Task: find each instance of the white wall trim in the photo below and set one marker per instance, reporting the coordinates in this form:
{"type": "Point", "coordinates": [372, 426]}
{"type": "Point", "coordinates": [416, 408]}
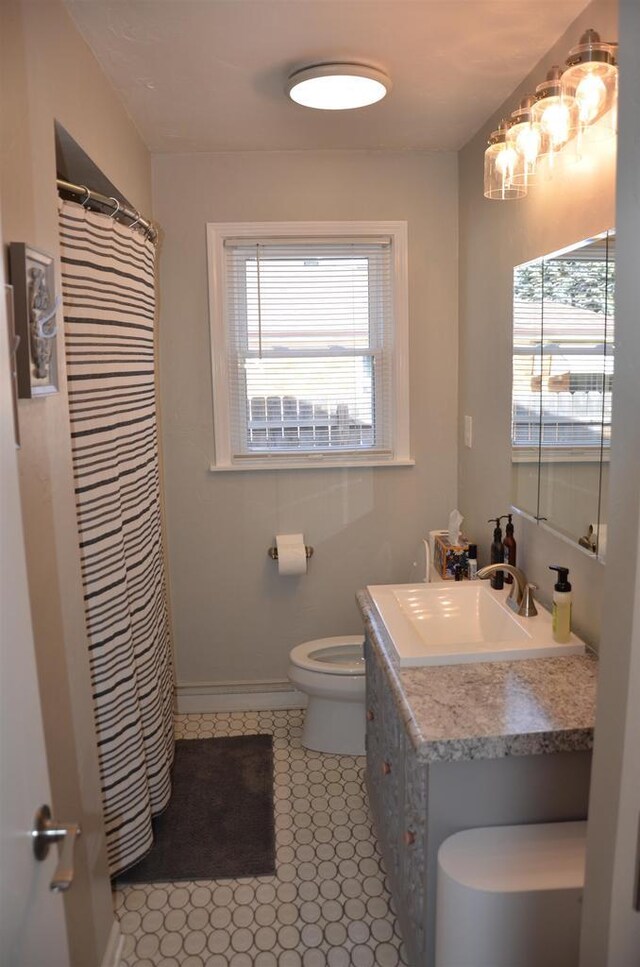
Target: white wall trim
{"type": "Point", "coordinates": [308, 465]}
{"type": "Point", "coordinates": [115, 946]}
{"type": "Point", "coordinates": [238, 696]}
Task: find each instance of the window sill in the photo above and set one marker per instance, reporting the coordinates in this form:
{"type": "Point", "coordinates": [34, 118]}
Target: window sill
{"type": "Point", "coordinates": [308, 465]}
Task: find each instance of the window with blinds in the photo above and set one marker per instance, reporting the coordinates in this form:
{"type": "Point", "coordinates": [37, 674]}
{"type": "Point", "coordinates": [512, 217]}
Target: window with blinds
{"type": "Point", "coordinates": [563, 353]}
{"type": "Point", "coordinates": [305, 337]}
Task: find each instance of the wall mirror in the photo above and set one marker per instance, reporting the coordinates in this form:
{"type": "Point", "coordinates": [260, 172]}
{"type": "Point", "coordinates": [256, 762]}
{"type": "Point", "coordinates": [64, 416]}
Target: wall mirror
{"type": "Point", "coordinates": [563, 361]}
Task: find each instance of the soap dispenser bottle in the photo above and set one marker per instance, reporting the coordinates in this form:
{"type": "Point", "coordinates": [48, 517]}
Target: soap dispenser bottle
{"type": "Point", "coordinates": [497, 555]}
{"type": "Point", "coordinates": [561, 605]}
{"type": "Point", "coordinates": [509, 548]}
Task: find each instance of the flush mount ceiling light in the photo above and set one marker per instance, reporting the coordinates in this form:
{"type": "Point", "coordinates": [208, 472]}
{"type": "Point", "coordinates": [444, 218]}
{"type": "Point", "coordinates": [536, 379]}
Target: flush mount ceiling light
{"type": "Point", "coordinates": [337, 87]}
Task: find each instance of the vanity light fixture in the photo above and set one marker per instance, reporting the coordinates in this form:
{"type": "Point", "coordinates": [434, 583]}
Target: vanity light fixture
{"type": "Point", "coordinates": [337, 87]}
{"type": "Point", "coordinates": [574, 106]}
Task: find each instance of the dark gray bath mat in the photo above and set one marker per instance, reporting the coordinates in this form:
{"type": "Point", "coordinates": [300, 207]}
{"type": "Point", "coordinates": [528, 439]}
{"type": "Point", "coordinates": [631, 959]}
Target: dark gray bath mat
{"type": "Point", "coordinates": [219, 823]}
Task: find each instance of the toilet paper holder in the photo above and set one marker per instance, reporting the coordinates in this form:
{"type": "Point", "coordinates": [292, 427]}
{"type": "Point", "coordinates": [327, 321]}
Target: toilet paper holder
{"type": "Point", "coordinates": [273, 552]}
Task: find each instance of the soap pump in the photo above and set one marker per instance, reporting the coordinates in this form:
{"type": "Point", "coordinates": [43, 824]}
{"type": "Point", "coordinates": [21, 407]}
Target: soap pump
{"type": "Point", "coordinates": [497, 554]}
{"type": "Point", "coordinates": [509, 548]}
{"type": "Point", "coordinates": [561, 605]}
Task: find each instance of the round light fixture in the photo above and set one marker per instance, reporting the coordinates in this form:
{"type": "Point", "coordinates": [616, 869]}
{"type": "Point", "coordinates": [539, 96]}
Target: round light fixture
{"type": "Point", "coordinates": [337, 87]}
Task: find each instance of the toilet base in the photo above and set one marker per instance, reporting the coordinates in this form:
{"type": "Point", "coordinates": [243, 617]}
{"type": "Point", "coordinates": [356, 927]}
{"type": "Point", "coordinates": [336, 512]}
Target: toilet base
{"type": "Point", "coordinates": [511, 896]}
{"type": "Point", "coordinates": [334, 726]}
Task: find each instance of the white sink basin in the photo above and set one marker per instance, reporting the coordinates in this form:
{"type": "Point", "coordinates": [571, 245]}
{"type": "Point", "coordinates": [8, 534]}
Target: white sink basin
{"type": "Point", "coordinates": [452, 622]}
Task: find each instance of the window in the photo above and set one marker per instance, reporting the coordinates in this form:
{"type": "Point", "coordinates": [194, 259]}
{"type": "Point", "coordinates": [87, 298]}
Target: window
{"type": "Point", "coordinates": [309, 344]}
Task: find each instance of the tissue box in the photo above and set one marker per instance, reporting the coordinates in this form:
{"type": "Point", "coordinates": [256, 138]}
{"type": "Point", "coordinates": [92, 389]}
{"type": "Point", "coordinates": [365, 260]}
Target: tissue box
{"type": "Point", "coordinates": [446, 556]}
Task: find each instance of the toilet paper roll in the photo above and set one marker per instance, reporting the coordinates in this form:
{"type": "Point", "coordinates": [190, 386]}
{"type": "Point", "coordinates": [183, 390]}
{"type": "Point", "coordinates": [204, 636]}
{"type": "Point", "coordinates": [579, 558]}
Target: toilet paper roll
{"type": "Point", "coordinates": [292, 555]}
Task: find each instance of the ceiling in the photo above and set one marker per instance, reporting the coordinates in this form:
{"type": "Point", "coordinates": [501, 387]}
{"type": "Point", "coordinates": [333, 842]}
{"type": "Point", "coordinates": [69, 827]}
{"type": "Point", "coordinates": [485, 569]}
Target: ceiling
{"type": "Point", "coordinates": [208, 75]}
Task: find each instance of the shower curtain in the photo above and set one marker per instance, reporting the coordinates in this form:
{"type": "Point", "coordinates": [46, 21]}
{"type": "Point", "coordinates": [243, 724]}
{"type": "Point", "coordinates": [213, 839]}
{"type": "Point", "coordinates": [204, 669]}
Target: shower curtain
{"type": "Point", "coordinates": [108, 288]}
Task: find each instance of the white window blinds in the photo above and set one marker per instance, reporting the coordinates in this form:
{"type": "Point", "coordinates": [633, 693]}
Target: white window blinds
{"type": "Point", "coordinates": [309, 336]}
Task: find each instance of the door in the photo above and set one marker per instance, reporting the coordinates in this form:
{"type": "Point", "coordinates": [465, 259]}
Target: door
{"type": "Point", "coordinates": [32, 925]}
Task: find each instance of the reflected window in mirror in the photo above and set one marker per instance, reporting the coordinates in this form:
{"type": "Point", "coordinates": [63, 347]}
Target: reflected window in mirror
{"type": "Point", "coordinates": [563, 359]}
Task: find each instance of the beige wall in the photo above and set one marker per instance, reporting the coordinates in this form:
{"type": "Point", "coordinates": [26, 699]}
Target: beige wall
{"type": "Point", "coordinates": [48, 73]}
{"type": "Point", "coordinates": [494, 237]}
{"type": "Point", "coordinates": [234, 618]}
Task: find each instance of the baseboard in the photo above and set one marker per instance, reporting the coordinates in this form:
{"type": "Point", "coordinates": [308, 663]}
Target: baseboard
{"type": "Point", "coordinates": [238, 696]}
{"type": "Point", "coordinates": [115, 945]}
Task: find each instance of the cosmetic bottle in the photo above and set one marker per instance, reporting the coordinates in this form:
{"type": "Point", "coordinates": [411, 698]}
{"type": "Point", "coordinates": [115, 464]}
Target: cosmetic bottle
{"type": "Point", "coordinates": [561, 605]}
{"type": "Point", "coordinates": [497, 555]}
{"type": "Point", "coordinates": [509, 549]}
{"type": "Point", "coordinates": [472, 562]}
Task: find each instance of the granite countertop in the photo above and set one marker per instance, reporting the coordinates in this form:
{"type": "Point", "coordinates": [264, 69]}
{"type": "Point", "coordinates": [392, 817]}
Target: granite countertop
{"type": "Point", "coordinates": [490, 709]}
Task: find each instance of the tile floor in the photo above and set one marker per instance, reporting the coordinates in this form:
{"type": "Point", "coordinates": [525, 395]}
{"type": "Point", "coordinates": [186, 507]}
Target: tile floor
{"type": "Point", "coordinates": [328, 903]}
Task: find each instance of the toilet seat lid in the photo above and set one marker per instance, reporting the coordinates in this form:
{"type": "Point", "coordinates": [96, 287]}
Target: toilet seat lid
{"type": "Point", "coordinates": [341, 655]}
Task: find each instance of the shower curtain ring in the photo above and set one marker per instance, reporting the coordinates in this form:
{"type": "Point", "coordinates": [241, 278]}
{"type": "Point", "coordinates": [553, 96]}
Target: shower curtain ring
{"type": "Point", "coordinates": [87, 198]}
{"type": "Point", "coordinates": [136, 220]}
{"type": "Point", "coordinates": [117, 204]}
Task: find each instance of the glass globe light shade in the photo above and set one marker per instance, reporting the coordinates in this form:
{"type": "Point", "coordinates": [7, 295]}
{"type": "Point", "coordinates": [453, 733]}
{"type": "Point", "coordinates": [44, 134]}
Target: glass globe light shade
{"type": "Point", "coordinates": [503, 168]}
{"type": "Point", "coordinates": [556, 111]}
{"type": "Point", "coordinates": [526, 136]}
{"type": "Point", "coordinates": [591, 77]}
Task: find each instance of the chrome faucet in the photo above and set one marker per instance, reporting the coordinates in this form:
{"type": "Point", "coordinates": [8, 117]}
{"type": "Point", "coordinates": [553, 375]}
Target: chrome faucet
{"type": "Point", "coordinates": [520, 597]}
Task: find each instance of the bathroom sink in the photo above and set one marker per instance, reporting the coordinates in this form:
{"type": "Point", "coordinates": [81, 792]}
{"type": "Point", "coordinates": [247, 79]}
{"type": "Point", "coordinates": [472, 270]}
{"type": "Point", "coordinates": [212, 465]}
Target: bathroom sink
{"type": "Point", "coordinates": [447, 623]}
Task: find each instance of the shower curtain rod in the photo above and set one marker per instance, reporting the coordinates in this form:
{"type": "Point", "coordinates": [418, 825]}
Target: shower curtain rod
{"type": "Point", "coordinates": [87, 196]}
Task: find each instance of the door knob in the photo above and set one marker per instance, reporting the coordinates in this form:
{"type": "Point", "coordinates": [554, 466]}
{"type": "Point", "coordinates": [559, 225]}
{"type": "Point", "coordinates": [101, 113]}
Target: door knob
{"type": "Point", "coordinates": [45, 832]}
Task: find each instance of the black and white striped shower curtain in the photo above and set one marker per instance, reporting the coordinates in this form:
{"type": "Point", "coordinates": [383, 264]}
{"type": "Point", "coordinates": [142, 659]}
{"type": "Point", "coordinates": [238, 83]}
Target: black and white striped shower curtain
{"type": "Point", "coordinates": [108, 278]}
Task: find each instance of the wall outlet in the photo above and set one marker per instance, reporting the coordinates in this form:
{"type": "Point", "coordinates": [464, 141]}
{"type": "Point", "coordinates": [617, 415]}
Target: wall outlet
{"type": "Point", "coordinates": [468, 431]}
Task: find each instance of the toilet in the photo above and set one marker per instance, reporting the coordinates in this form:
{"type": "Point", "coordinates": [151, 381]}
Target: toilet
{"type": "Point", "coordinates": [510, 896]}
{"type": "Point", "coordinates": [330, 671]}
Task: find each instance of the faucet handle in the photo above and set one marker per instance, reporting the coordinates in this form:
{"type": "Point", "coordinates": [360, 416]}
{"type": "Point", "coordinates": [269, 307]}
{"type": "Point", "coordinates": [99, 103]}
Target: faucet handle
{"type": "Point", "coordinates": [527, 607]}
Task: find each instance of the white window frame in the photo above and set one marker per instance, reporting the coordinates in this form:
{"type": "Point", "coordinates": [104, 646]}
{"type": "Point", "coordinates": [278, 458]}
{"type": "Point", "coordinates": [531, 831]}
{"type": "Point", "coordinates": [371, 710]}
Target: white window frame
{"type": "Point", "coordinates": [217, 234]}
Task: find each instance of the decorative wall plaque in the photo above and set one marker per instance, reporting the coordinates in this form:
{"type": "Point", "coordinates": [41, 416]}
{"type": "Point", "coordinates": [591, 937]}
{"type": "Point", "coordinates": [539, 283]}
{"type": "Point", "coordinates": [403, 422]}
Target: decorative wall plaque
{"type": "Point", "coordinates": [35, 305]}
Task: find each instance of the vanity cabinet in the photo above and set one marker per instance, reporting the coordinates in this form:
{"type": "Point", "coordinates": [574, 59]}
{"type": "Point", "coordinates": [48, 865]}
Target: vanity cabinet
{"type": "Point", "coordinates": [422, 792]}
{"type": "Point", "coordinates": [397, 788]}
